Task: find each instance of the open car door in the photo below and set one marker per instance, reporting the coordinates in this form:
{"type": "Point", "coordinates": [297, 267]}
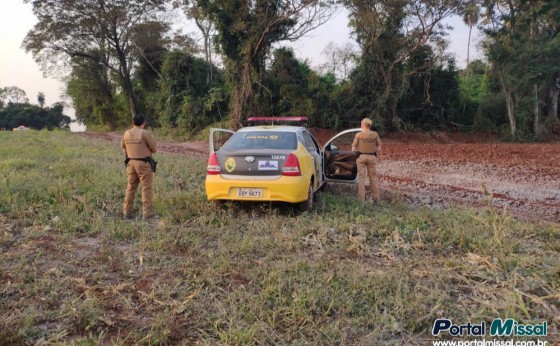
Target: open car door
{"type": "Point", "coordinates": [339, 159]}
{"type": "Point", "coordinates": [218, 137]}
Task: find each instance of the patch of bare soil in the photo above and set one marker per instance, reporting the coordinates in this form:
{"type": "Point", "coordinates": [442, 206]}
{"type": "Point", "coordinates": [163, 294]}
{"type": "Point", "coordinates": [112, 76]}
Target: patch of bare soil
{"type": "Point", "coordinates": [524, 178]}
{"type": "Point", "coordinates": [199, 148]}
{"type": "Point", "coordinates": [441, 169]}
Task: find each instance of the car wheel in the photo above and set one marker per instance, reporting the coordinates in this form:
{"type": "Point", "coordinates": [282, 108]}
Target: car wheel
{"type": "Point", "coordinates": [308, 204]}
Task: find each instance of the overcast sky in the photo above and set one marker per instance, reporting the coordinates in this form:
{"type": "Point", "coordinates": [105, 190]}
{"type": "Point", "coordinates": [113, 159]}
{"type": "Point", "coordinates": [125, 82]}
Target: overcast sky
{"type": "Point", "coordinates": [18, 68]}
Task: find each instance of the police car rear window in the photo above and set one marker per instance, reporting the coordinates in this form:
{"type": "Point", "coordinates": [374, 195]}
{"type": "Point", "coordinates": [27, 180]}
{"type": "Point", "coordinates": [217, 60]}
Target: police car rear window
{"type": "Point", "coordinates": [261, 140]}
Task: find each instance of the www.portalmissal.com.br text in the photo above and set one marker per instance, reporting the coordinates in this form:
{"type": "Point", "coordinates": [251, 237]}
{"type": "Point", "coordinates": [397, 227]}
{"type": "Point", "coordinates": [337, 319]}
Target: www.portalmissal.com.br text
{"type": "Point", "coordinates": [484, 342]}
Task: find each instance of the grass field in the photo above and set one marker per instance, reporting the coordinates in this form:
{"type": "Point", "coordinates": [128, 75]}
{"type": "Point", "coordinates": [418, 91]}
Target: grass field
{"type": "Point", "coordinates": [72, 271]}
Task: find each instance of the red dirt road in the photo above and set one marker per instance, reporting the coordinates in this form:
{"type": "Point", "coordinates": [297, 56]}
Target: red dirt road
{"type": "Point", "coordinates": [524, 178]}
{"type": "Point", "coordinates": [444, 169]}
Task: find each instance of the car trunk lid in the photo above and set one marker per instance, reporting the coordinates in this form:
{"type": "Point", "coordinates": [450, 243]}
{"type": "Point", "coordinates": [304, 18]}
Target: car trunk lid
{"type": "Point", "coordinates": [252, 164]}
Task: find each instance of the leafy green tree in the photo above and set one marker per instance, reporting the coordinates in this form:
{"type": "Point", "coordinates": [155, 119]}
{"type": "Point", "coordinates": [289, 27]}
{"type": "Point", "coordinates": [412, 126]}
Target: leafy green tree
{"type": "Point", "coordinates": [32, 116]}
{"type": "Point", "coordinates": [41, 99]}
{"type": "Point", "coordinates": [288, 85]}
{"type": "Point", "coordinates": [152, 50]}
{"type": "Point", "coordinates": [14, 95]}
{"type": "Point", "coordinates": [110, 28]}
{"type": "Point", "coordinates": [431, 98]}
{"type": "Point", "coordinates": [346, 104]}
{"type": "Point", "coordinates": [523, 47]}
{"type": "Point", "coordinates": [246, 32]}
{"type": "Point", "coordinates": [294, 89]}
{"type": "Point", "coordinates": [94, 94]}
{"type": "Point", "coordinates": [545, 48]}
{"type": "Point", "coordinates": [187, 100]}
{"type": "Point", "coordinates": [473, 92]}
{"type": "Point", "coordinates": [471, 16]}
{"type": "Point", "coordinates": [483, 103]}
{"type": "Point", "coordinates": [321, 91]}
{"type": "Point", "coordinates": [389, 32]}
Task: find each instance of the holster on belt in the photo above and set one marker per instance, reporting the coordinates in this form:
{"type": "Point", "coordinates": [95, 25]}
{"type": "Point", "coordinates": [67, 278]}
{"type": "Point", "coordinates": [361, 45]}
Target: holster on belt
{"type": "Point", "coordinates": [148, 159]}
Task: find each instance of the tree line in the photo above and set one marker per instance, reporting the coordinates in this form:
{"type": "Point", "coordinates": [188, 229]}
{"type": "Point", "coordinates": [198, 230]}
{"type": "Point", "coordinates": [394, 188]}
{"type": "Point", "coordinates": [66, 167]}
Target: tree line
{"type": "Point", "coordinates": [15, 111]}
{"type": "Point", "coordinates": [123, 57]}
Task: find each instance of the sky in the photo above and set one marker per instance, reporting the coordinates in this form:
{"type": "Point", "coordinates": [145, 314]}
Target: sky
{"type": "Point", "coordinates": [17, 68]}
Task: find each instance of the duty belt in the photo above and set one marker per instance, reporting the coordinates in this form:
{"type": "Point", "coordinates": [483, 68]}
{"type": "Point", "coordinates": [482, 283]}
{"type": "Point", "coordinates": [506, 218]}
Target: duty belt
{"type": "Point", "coordinates": [145, 159]}
{"type": "Point", "coordinates": [148, 159]}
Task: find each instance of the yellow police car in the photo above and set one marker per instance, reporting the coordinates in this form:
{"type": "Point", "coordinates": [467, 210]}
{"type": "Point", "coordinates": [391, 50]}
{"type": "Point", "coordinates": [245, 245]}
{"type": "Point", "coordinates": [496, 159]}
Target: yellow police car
{"type": "Point", "coordinates": [276, 163]}
{"type": "Point", "coordinates": [21, 128]}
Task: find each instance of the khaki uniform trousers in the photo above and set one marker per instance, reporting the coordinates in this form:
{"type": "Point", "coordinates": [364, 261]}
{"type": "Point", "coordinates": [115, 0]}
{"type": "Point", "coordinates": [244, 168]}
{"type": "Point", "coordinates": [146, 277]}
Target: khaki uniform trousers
{"type": "Point", "coordinates": [139, 172]}
{"type": "Point", "coordinates": [367, 163]}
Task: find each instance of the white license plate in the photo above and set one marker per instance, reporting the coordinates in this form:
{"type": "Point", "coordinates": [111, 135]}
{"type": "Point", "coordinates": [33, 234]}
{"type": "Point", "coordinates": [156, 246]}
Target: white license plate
{"type": "Point", "coordinates": [252, 193]}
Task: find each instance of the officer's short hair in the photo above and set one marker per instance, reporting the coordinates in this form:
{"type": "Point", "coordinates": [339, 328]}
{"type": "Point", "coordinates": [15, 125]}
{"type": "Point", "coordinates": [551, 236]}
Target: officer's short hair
{"type": "Point", "coordinates": [367, 121]}
{"type": "Point", "coordinates": [138, 119]}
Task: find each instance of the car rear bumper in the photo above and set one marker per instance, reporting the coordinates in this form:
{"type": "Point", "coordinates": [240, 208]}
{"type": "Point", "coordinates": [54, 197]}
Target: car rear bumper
{"type": "Point", "coordinates": [282, 189]}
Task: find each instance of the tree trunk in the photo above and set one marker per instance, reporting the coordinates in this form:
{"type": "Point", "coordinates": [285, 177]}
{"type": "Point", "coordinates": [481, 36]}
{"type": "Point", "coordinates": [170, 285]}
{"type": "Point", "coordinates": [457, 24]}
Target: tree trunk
{"type": "Point", "coordinates": [536, 127]}
{"type": "Point", "coordinates": [469, 49]}
{"type": "Point", "coordinates": [554, 92]}
{"type": "Point", "coordinates": [131, 99]}
{"type": "Point", "coordinates": [206, 28]}
{"type": "Point", "coordinates": [125, 75]}
{"type": "Point", "coordinates": [125, 79]}
{"type": "Point", "coordinates": [242, 95]}
{"type": "Point", "coordinates": [208, 50]}
{"type": "Point", "coordinates": [511, 113]}
{"type": "Point", "coordinates": [510, 105]}
{"type": "Point", "coordinates": [389, 104]}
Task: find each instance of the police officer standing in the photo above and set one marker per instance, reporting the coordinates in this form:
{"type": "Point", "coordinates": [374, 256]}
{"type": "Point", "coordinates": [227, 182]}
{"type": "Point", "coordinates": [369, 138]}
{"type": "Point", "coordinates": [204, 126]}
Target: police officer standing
{"type": "Point", "coordinates": [367, 144]}
{"type": "Point", "coordinates": [138, 145]}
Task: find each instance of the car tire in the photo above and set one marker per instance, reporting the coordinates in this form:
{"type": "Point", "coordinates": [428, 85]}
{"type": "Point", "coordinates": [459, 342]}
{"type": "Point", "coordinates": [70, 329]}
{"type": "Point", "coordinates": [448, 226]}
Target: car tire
{"type": "Point", "coordinates": [307, 205]}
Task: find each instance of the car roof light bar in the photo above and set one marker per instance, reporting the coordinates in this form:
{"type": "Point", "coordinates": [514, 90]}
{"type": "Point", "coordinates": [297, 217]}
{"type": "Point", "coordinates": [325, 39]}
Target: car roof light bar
{"type": "Point", "coordinates": [276, 120]}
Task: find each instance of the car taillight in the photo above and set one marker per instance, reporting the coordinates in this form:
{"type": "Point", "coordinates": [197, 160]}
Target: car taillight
{"type": "Point", "coordinates": [213, 167]}
{"type": "Point", "coordinates": [291, 166]}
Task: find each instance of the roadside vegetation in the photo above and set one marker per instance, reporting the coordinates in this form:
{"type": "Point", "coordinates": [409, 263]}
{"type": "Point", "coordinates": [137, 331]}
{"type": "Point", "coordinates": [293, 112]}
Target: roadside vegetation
{"type": "Point", "coordinates": [19, 112]}
{"type": "Point", "coordinates": [141, 57]}
{"type": "Point", "coordinates": [72, 271]}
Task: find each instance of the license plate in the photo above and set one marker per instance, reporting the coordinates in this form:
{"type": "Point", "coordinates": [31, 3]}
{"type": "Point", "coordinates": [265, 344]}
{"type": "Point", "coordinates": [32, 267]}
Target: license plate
{"type": "Point", "coordinates": [252, 193]}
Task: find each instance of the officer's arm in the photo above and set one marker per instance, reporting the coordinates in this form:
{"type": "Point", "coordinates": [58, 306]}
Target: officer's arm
{"type": "Point", "coordinates": [378, 146]}
{"type": "Point", "coordinates": [150, 141]}
{"type": "Point", "coordinates": [355, 142]}
{"type": "Point", "coordinates": [123, 146]}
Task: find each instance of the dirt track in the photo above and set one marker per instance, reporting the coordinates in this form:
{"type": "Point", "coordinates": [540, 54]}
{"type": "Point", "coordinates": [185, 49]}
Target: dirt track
{"type": "Point", "coordinates": [443, 169]}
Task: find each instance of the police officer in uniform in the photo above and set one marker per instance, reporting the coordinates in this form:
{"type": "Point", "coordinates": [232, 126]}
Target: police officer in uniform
{"type": "Point", "coordinates": [368, 144]}
{"type": "Point", "coordinates": [138, 145]}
